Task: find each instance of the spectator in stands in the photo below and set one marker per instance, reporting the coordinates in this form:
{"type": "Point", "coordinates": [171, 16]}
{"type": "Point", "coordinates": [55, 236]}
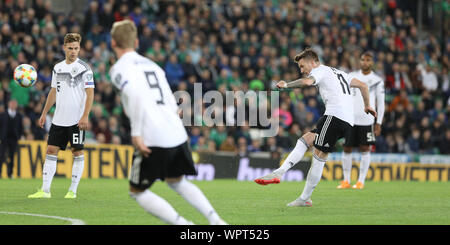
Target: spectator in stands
{"type": "Point", "coordinates": [218, 135]}
{"type": "Point", "coordinates": [294, 133]}
{"type": "Point", "coordinates": [239, 43]}
{"type": "Point", "coordinates": [194, 136]}
{"type": "Point", "coordinates": [103, 130]}
{"type": "Point", "coordinates": [255, 146]}
{"type": "Point", "coordinates": [399, 79]}
{"type": "Point", "coordinates": [244, 131]}
{"type": "Point", "coordinates": [413, 142]}
{"type": "Point", "coordinates": [228, 144]}
{"type": "Point", "coordinates": [174, 71]}
{"type": "Point", "coordinates": [270, 144]}
{"type": "Point", "coordinates": [426, 142]}
{"type": "Point", "coordinates": [282, 139]}
{"type": "Point", "coordinates": [401, 98]}
{"type": "Point", "coordinates": [91, 16]}
{"type": "Point", "coordinates": [211, 146]}
{"type": "Point", "coordinates": [300, 114]}
{"type": "Point", "coordinates": [429, 78]}
{"type": "Point", "coordinates": [11, 131]}
{"type": "Point", "coordinates": [444, 143]}
{"type": "Point", "coordinates": [242, 149]}
{"type": "Point", "coordinates": [284, 115]}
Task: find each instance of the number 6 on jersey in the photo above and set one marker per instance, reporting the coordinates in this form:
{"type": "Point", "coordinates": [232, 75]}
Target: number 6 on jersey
{"type": "Point", "coordinates": [77, 138]}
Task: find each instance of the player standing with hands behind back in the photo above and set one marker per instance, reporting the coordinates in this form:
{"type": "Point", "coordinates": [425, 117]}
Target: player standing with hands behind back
{"type": "Point", "coordinates": [337, 121]}
{"type": "Point", "coordinates": [73, 92]}
{"type": "Point", "coordinates": [158, 134]}
{"type": "Point", "coordinates": [363, 133]}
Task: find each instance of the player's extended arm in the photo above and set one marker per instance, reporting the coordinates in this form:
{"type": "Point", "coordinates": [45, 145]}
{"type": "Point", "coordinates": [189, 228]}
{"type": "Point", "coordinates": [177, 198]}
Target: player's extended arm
{"type": "Point", "coordinates": [365, 94]}
{"type": "Point", "coordinates": [83, 123]}
{"type": "Point", "coordinates": [51, 100]}
{"type": "Point", "coordinates": [307, 81]}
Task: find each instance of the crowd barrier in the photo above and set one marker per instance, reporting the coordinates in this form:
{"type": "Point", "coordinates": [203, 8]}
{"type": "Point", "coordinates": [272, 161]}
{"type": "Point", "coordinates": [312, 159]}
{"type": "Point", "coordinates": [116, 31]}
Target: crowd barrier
{"type": "Point", "coordinates": [114, 161]}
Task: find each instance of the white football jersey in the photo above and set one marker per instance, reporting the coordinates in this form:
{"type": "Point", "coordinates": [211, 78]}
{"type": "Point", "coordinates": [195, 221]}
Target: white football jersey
{"type": "Point", "coordinates": [334, 88]}
{"type": "Point", "coordinates": [70, 82]}
{"type": "Point", "coordinates": [148, 101]}
{"type": "Point", "coordinates": [376, 91]}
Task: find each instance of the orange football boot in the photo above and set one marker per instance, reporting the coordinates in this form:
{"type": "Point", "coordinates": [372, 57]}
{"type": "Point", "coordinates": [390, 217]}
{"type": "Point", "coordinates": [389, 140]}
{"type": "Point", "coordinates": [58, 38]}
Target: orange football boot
{"type": "Point", "coordinates": [344, 185]}
{"type": "Point", "coordinates": [358, 185]}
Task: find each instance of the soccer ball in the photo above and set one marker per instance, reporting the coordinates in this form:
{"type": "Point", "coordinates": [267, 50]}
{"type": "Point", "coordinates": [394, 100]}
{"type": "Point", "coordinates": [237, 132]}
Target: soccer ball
{"type": "Point", "coordinates": [25, 75]}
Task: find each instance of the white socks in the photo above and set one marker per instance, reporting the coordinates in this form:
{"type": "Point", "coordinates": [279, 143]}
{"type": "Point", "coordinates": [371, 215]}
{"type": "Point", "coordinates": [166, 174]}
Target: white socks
{"type": "Point", "coordinates": [48, 172]}
{"type": "Point", "coordinates": [346, 165]}
{"type": "Point", "coordinates": [294, 157]}
{"type": "Point", "coordinates": [158, 207]}
{"type": "Point", "coordinates": [364, 166]}
{"type": "Point", "coordinates": [313, 178]}
{"type": "Point", "coordinates": [77, 172]}
{"type": "Point", "coordinates": [194, 196]}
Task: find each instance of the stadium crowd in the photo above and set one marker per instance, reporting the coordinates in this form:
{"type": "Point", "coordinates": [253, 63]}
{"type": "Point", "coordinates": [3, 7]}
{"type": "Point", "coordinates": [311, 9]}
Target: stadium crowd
{"type": "Point", "coordinates": [240, 46]}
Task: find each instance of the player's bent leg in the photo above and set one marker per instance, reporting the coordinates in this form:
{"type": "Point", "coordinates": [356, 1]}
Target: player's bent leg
{"type": "Point", "coordinates": [296, 155]}
{"type": "Point", "coordinates": [157, 206]}
{"type": "Point", "coordinates": [195, 197]}
{"type": "Point", "coordinates": [293, 158]}
{"type": "Point", "coordinates": [346, 167]}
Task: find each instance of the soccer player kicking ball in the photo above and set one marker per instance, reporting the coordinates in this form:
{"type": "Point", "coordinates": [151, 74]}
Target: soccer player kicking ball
{"type": "Point", "coordinates": [157, 132]}
{"type": "Point", "coordinates": [363, 133]}
{"type": "Point", "coordinates": [73, 91]}
{"type": "Point", "coordinates": [337, 121]}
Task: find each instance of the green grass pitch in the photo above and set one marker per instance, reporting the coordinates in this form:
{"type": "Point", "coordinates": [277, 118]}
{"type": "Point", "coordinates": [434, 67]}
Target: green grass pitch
{"type": "Point", "coordinates": [106, 202]}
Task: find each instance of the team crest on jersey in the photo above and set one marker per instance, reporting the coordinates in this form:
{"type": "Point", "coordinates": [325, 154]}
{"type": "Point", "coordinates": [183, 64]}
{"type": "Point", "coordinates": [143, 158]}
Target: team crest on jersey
{"type": "Point", "coordinates": [74, 71]}
{"type": "Point", "coordinates": [89, 77]}
{"type": "Point", "coordinates": [118, 80]}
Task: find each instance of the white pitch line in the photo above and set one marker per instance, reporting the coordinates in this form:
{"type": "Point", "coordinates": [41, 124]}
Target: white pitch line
{"type": "Point", "coordinates": [72, 221]}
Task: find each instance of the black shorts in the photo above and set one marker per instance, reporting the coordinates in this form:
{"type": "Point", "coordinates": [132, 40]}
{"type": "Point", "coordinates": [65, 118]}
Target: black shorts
{"type": "Point", "coordinates": [60, 136]}
{"type": "Point", "coordinates": [160, 164]}
{"type": "Point", "coordinates": [329, 130]}
{"type": "Point", "coordinates": [360, 135]}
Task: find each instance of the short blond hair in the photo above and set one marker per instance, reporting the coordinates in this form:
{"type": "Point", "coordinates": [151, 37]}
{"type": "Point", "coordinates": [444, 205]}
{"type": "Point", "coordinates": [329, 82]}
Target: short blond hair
{"type": "Point", "coordinates": [72, 37]}
{"type": "Point", "coordinates": [308, 53]}
{"type": "Point", "coordinates": [124, 33]}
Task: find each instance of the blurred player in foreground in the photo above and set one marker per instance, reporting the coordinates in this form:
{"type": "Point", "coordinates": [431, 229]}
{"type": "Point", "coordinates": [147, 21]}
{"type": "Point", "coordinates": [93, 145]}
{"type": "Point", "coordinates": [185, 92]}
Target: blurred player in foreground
{"type": "Point", "coordinates": [337, 121]}
{"type": "Point", "coordinates": [364, 132]}
{"type": "Point", "coordinates": [157, 132]}
{"type": "Point", "coordinates": [73, 92]}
